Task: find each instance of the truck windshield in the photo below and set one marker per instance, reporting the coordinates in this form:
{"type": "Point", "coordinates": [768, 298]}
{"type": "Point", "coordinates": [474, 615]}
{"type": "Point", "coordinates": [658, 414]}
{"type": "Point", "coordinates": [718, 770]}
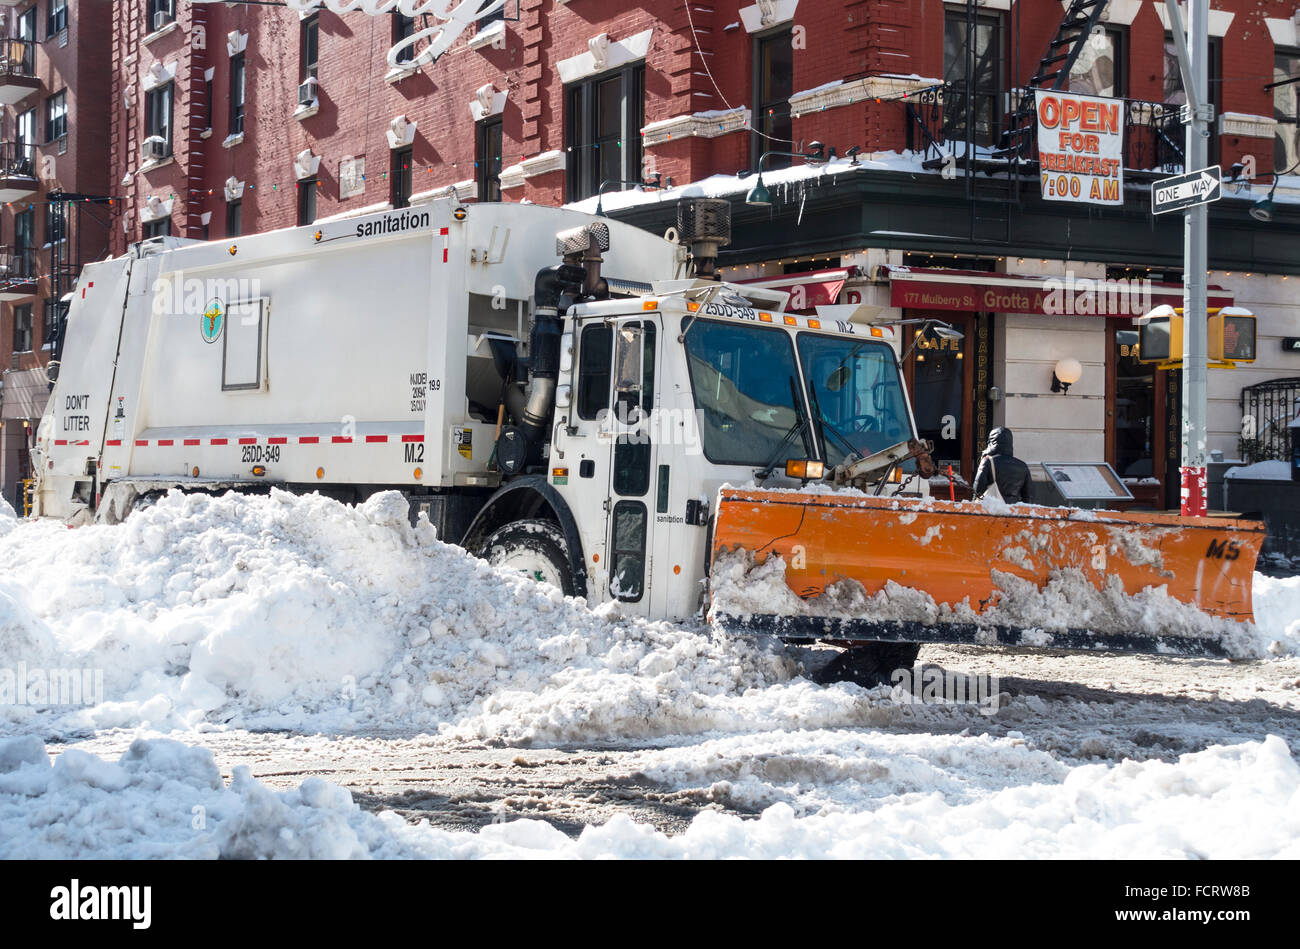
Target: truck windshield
{"type": "Point", "coordinates": [856, 385]}
{"type": "Point", "coordinates": [742, 376]}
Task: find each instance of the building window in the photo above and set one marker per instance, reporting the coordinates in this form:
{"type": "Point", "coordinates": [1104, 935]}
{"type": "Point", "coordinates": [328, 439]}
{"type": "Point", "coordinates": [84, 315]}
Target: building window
{"type": "Point", "coordinates": [23, 328]}
{"type": "Point", "coordinates": [234, 218]}
{"type": "Point", "coordinates": [1286, 105]}
{"type": "Point", "coordinates": [27, 53]}
{"type": "Point", "coordinates": [56, 116]}
{"type": "Point", "coordinates": [489, 18]}
{"type": "Point", "coordinates": [159, 228]}
{"type": "Point", "coordinates": [23, 161]}
{"type": "Point", "coordinates": [1099, 69]}
{"type": "Point", "coordinates": [54, 314]}
{"type": "Point", "coordinates": [487, 160]}
{"type": "Point", "coordinates": [158, 14]}
{"type": "Point", "coordinates": [306, 201]}
{"type": "Point", "coordinates": [237, 94]}
{"type": "Point", "coordinates": [399, 177]}
{"type": "Point", "coordinates": [773, 86]}
{"type": "Point", "coordinates": [25, 230]}
{"type": "Point", "coordinates": [158, 115]}
{"type": "Point", "coordinates": [55, 231]}
{"type": "Point", "coordinates": [57, 20]}
{"type": "Point", "coordinates": [309, 48]}
{"type": "Point", "coordinates": [976, 71]}
{"type": "Point", "coordinates": [603, 130]}
{"type": "Point", "coordinates": [404, 28]}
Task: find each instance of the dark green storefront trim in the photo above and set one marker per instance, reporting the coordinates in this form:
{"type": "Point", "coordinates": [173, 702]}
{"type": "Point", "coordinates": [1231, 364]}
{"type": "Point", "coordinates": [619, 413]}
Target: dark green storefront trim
{"type": "Point", "coordinates": [918, 212]}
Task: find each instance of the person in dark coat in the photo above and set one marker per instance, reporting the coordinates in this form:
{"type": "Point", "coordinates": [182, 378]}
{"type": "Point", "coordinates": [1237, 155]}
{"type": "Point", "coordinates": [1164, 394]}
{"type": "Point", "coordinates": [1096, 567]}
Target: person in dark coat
{"type": "Point", "coordinates": [1012, 474]}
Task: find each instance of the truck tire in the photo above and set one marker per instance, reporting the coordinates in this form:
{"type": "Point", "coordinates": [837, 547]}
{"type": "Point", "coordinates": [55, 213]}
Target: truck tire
{"type": "Point", "coordinates": [869, 665]}
{"type": "Point", "coordinates": [535, 548]}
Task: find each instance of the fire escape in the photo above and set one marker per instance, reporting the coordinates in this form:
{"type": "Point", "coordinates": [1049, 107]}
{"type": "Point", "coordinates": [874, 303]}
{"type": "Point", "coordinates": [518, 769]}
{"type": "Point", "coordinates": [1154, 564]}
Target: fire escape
{"type": "Point", "coordinates": [945, 120]}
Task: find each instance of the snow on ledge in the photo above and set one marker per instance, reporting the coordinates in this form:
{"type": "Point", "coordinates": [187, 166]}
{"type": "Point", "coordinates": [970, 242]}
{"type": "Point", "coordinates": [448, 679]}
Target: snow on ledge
{"type": "Point", "coordinates": [709, 124]}
{"type": "Point", "coordinates": [837, 93]}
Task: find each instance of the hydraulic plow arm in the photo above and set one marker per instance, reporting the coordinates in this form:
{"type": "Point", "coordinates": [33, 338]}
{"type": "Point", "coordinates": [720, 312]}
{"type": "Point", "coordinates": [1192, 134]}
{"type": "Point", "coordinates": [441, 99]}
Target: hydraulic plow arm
{"type": "Point", "coordinates": [966, 572]}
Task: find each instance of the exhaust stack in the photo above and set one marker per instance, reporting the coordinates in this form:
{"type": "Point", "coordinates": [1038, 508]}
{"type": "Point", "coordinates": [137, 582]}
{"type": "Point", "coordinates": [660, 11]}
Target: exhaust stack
{"type": "Point", "coordinates": [704, 227]}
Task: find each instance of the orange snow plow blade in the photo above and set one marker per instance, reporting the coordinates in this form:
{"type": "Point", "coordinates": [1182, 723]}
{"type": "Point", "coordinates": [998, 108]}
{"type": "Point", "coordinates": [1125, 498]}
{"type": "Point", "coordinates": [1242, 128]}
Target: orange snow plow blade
{"type": "Point", "coordinates": [1107, 580]}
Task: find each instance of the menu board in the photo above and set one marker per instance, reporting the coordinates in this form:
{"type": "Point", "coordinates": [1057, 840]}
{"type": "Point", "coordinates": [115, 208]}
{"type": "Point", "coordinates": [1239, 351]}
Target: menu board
{"type": "Point", "coordinates": [1088, 481]}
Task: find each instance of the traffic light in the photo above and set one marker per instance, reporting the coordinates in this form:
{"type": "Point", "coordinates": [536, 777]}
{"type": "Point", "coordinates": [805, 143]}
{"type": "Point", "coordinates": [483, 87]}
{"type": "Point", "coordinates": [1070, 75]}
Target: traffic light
{"type": "Point", "coordinates": [1230, 337]}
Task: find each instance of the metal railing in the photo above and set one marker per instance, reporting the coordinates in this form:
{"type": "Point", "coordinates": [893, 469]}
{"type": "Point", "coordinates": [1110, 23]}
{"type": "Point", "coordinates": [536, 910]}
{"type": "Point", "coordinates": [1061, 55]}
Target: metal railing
{"type": "Point", "coordinates": [17, 160]}
{"type": "Point", "coordinates": [17, 264]}
{"type": "Point", "coordinates": [1267, 408]}
{"type": "Point", "coordinates": [17, 58]}
{"type": "Point", "coordinates": [937, 119]}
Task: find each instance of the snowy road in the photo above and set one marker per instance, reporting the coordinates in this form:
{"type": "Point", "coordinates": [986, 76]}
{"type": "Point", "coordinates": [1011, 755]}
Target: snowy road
{"type": "Point", "coordinates": [288, 677]}
{"type": "Point", "coordinates": [1076, 709]}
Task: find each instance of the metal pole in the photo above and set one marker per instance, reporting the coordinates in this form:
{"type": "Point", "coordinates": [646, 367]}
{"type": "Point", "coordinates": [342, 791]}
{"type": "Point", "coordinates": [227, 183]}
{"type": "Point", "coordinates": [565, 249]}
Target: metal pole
{"type": "Point", "coordinates": [1195, 315]}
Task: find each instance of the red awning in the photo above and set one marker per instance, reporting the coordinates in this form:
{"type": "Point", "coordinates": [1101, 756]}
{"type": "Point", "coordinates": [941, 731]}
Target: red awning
{"type": "Point", "coordinates": [807, 290]}
{"type": "Point", "coordinates": [917, 288]}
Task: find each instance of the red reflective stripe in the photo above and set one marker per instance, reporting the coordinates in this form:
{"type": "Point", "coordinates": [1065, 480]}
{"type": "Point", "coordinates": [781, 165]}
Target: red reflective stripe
{"type": "Point", "coordinates": [445, 243]}
{"type": "Point", "coordinates": [114, 443]}
{"type": "Point", "coordinates": [165, 442]}
{"type": "Point", "coordinates": [193, 441]}
{"type": "Point", "coordinates": [340, 438]}
{"type": "Point", "coordinates": [308, 440]}
{"type": "Point", "coordinates": [141, 442]}
{"type": "Point", "coordinates": [412, 438]}
{"type": "Point", "coordinates": [277, 441]}
{"type": "Point", "coordinates": [376, 438]}
{"type": "Point", "coordinates": [81, 443]}
{"type": "Point", "coordinates": [248, 441]}
{"type": "Point", "coordinates": [218, 441]}
{"type": "Point", "coordinates": [60, 441]}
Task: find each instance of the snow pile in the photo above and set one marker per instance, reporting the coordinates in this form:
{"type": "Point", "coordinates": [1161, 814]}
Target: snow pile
{"type": "Point", "coordinates": [165, 799]}
{"type": "Point", "coordinates": [299, 612]}
{"type": "Point", "coordinates": [8, 517]}
{"type": "Point", "coordinates": [1069, 601]}
{"type": "Point", "coordinates": [1273, 470]}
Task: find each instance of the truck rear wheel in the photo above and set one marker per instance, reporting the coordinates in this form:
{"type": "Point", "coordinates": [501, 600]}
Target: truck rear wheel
{"type": "Point", "coordinates": [535, 548]}
{"type": "Point", "coordinates": [869, 665]}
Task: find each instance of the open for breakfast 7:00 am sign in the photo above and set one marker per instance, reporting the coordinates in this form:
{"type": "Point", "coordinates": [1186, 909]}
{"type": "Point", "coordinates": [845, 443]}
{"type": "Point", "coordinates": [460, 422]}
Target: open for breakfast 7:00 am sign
{"type": "Point", "coordinates": [1080, 147]}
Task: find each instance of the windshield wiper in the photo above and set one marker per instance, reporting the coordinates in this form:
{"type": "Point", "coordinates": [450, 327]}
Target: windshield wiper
{"type": "Point", "coordinates": [823, 423]}
{"type": "Point", "coordinates": [801, 426]}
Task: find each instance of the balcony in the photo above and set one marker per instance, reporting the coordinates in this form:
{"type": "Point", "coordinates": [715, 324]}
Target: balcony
{"type": "Point", "coordinates": [18, 78]}
{"type": "Point", "coordinates": [17, 171]}
{"type": "Point", "coordinates": [938, 117]}
{"type": "Point", "coordinates": [17, 273]}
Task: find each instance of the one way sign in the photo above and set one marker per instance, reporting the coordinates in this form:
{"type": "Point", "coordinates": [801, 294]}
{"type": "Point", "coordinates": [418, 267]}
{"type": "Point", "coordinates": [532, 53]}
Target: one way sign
{"type": "Point", "coordinates": [1196, 187]}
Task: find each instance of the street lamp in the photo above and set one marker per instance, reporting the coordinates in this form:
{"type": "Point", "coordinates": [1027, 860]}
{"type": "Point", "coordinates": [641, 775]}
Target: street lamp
{"type": "Point", "coordinates": [758, 195]}
{"type": "Point", "coordinates": [658, 182]}
{"type": "Point", "coordinates": [1262, 210]}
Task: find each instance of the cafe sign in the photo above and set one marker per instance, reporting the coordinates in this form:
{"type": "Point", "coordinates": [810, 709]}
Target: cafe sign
{"type": "Point", "coordinates": [1080, 148]}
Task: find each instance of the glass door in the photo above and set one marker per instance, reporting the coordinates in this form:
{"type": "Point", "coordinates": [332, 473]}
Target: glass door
{"type": "Point", "coordinates": [940, 378]}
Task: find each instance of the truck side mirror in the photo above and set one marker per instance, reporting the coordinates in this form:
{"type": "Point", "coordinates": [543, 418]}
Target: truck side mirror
{"type": "Point", "coordinates": [629, 366]}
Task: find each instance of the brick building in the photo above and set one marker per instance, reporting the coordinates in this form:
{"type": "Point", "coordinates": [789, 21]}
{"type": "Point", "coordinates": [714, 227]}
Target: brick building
{"type": "Point", "coordinates": [54, 72]}
{"type": "Point", "coordinates": [231, 119]}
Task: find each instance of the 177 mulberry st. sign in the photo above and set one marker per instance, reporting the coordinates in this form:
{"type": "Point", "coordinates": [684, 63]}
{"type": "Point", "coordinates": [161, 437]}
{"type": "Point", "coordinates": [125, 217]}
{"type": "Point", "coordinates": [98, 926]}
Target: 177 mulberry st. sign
{"type": "Point", "coordinates": [1080, 147]}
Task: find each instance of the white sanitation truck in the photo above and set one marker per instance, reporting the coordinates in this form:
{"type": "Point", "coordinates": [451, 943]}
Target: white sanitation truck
{"type": "Point", "coordinates": [519, 372]}
{"type": "Point", "coordinates": [567, 396]}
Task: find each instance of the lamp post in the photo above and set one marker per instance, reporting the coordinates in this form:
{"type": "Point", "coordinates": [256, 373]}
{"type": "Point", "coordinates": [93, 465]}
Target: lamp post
{"type": "Point", "coordinates": [758, 195]}
{"type": "Point", "coordinates": [658, 182]}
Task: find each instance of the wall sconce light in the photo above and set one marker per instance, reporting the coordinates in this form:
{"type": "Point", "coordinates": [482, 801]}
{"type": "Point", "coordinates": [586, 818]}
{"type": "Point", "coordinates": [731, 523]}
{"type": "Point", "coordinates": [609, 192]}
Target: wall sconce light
{"type": "Point", "coordinates": [1065, 373]}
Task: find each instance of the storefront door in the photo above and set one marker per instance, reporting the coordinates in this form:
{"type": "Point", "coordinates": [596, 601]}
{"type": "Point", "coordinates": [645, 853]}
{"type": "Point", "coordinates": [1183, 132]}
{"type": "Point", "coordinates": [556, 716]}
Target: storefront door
{"type": "Point", "coordinates": [940, 377]}
{"type": "Point", "coordinates": [1138, 416]}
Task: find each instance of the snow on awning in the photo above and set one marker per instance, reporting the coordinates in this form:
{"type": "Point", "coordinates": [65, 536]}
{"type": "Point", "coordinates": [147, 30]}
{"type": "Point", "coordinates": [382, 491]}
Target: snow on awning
{"type": "Point", "coordinates": [807, 290]}
{"type": "Point", "coordinates": [925, 288]}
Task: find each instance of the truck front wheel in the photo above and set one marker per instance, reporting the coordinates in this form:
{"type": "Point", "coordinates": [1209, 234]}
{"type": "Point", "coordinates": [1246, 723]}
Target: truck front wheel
{"type": "Point", "coordinates": [535, 548]}
{"type": "Point", "coordinates": [869, 665]}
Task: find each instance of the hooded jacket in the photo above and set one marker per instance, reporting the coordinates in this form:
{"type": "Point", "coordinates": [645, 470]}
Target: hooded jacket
{"type": "Point", "coordinates": [1012, 473]}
